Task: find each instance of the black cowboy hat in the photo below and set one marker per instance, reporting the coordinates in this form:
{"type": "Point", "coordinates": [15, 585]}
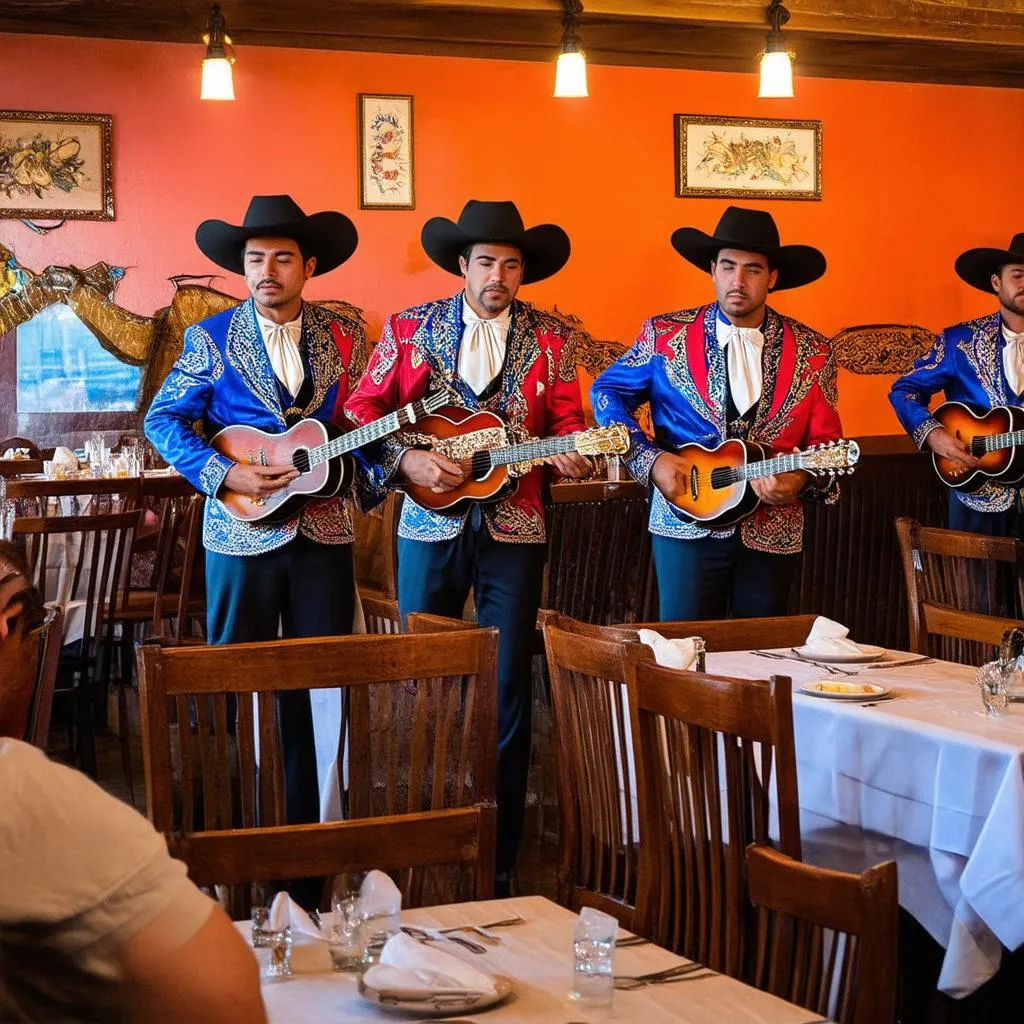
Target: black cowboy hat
{"type": "Point", "coordinates": [545, 248]}
{"type": "Point", "coordinates": [976, 266]}
{"type": "Point", "coordinates": [751, 231]}
{"type": "Point", "coordinates": [330, 237]}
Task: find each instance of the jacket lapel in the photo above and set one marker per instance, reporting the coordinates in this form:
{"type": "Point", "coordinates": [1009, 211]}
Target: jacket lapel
{"type": "Point", "coordinates": [521, 351]}
{"type": "Point", "coordinates": [778, 364]}
{"type": "Point", "coordinates": [325, 365]}
{"type": "Point", "coordinates": [246, 352]}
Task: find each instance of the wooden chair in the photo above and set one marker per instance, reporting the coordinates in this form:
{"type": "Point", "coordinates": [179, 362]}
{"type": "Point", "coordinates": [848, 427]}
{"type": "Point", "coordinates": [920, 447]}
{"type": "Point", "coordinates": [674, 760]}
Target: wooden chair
{"type": "Point", "coordinates": [23, 668]}
{"type": "Point", "coordinates": [723, 634]}
{"type": "Point", "coordinates": [379, 597]}
{"type": "Point", "coordinates": [102, 542]}
{"type": "Point", "coordinates": [50, 640]}
{"type": "Point", "coordinates": [826, 940]}
{"type": "Point", "coordinates": [597, 795]}
{"type": "Point", "coordinates": [706, 748]}
{"type": "Point", "coordinates": [963, 590]}
{"type": "Point", "coordinates": [419, 725]}
{"type": "Point", "coordinates": [20, 442]}
{"type": "Point", "coordinates": [458, 843]}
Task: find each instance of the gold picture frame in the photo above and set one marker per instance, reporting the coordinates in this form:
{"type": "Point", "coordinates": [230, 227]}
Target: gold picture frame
{"type": "Point", "coordinates": [747, 157]}
{"type": "Point", "coordinates": [386, 162]}
{"type": "Point", "coordinates": [55, 166]}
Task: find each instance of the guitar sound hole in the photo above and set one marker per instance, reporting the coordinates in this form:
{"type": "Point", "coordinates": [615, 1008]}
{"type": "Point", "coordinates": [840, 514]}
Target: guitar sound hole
{"type": "Point", "coordinates": [481, 465]}
{"type": "Point", "coordinates": [300, 459]}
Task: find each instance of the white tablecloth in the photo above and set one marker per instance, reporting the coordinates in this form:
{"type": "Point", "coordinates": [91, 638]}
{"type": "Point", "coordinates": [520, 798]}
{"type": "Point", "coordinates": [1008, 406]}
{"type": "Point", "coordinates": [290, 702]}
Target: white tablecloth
{"type": "Point", "coordinates": [537, 957]}
{"type": "Point", "coordinates": [927, 780]}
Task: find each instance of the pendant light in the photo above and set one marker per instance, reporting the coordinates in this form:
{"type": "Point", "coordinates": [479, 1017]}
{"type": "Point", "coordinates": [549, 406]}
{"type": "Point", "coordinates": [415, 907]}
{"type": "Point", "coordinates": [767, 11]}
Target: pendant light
{"type": "Point", "coordinates": [218, 82]}
{"type": "Point", "coordinates": [571, 69]}
{"type": "Point", "coordinates": [776, 61]}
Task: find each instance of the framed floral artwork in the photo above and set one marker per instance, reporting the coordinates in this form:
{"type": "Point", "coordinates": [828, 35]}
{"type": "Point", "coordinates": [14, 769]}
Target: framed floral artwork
{"type": "Point", "coordinates": [747, 157]}
{"type": "Point", "coordinates": [386, 178]}
{"type": "Point", "coordinates": [55, 166]}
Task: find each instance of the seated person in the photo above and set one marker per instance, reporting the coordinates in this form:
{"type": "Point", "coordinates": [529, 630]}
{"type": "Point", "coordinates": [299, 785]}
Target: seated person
{"type": "Point", "coordinates": [97, 922]}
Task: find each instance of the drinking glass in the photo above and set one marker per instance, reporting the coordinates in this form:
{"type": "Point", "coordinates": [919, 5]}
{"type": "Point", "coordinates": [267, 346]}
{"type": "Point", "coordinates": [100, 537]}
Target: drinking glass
{"type": "Point", "coordinates": [96, 451]}
{"type": "Point", "coordinates": [593, 957]}
{"type": "Point", "coordinates": [260, 931]}
{"type": "Point", "coordinates": [992, 683]}
{"type": "Point", "coordinates": [6, 519]}
{"type": "Point", "coordinates": [279, 963]}
{"type": "Point", "coordinates": [342, 929]}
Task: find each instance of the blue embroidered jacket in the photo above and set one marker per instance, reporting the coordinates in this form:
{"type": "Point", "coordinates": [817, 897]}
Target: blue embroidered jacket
{"type": "Point", "coordinates": [223, 377]}
{"type": "Point", "coordinates": [676, 365]}
{"type": "Point", "coordinates": [966, 364]}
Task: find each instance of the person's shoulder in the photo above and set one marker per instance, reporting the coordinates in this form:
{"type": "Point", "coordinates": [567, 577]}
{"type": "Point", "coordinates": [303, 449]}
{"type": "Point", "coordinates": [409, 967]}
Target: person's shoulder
{"type": "Point", "coordinates": [551, 325]}
{"type": "Point", "coordinates": [802, 330]}
{"type": "Point", "coordinates": [347, 316]}
{"type": "Point", "coordinates": [673, 320]}
{"type": "Point", "coordinates": [217, 323]}
{"type": "Point", "coordinates": [966, 328]}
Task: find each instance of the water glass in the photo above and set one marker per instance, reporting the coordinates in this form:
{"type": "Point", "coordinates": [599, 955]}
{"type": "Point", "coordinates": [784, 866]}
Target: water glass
{"type": "Point", "coordinates": [992, 683]}
{"type": "Point", "coordinates": [374, 932]}
{"type": "Point", "coordinates": [614, 467]}
{"type": "Point", "coordinates": [279, 963]}
{"type": "Point", "coordinates": [7, 513]}
{"type": "Point", "coordinates": [593, 958]}
{"type": "Point", "coordinates": [342, 929]}
{"type": "Point", "coordinates": [260, 931]}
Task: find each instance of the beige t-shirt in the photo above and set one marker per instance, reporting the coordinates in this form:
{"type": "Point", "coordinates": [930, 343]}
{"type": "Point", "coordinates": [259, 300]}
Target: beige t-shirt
{"type": "Point", "coordinates": [80, 874]}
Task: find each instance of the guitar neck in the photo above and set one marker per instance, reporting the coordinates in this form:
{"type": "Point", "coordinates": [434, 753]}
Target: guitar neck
{"type": "Point", "coordinates": [769, 467]}
{"type": "Point", "coordinates": [532, 451]}
{"type": "Point", "coordinates": [368, 433]}
{"type": "Point", "coordinates": [997, 442]}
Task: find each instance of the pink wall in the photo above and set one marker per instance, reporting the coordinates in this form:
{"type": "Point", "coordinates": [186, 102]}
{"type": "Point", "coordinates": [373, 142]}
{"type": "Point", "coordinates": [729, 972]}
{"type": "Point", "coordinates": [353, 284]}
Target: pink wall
{"type": "Point", "coordinates": [912, 175]}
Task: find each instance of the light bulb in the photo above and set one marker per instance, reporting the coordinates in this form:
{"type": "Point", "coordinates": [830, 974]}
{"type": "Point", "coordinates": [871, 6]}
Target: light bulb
{"type": "Point", "coordinates": [218, 83]}
{"type": "Point", "coordinates": [571, 75]}
{"type": "Point", "coordinates": [776, 75]}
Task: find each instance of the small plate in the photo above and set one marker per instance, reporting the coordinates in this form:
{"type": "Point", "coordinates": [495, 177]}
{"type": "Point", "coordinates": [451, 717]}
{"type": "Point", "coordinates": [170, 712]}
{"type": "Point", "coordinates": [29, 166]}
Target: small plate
{"type": "Point", "coordinates": [868, 652]}
{"type": "Point", "coordinates": [445, 1003]}
{"type": "Point", "coordinates": [832, 689]}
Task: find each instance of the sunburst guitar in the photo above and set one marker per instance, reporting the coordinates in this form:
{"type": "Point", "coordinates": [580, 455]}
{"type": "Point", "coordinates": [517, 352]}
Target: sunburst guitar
{"type": "Point", "coordinates": [319, 451]}
{"type": "Point", "coordinates": [995, 438]}
{"type": "Point", "coordinates": [479, 443]}
{"type": "Point", "coordinates": [717, 492]}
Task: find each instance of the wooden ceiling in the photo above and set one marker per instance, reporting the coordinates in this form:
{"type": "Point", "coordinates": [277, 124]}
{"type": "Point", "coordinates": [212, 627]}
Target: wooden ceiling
{"type": "Point", "coordinates": [977, 42]}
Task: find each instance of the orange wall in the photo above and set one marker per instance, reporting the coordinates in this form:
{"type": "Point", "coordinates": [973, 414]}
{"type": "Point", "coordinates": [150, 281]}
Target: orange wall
{"type": "Point", "coordinates": [912, 174]}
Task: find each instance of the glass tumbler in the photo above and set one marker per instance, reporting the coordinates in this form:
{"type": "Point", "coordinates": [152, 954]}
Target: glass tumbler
{"type": "Point", "coordinates": [593, 958]}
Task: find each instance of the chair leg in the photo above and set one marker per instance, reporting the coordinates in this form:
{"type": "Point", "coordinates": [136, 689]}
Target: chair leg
{"type": "Point", "coordinates": [84, 721]}
{"type": "Point", "coordinates": [124, 730]}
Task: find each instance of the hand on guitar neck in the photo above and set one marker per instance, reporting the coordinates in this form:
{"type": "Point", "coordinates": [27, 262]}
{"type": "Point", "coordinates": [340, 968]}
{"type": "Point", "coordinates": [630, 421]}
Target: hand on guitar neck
{"type": "Point", "coordinates": [670, 474]}
{"type": "Point", "coordinates": [946, 446]}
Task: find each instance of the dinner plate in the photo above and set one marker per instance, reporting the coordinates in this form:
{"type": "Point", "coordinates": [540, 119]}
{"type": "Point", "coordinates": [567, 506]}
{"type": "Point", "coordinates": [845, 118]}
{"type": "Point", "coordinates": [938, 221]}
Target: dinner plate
{"type": "Point", "coordinates": [867, 652]}
{"type": "Point", "coordinates": [443, 1003]}
{"type": "Point", "coordinates": [833, 689]}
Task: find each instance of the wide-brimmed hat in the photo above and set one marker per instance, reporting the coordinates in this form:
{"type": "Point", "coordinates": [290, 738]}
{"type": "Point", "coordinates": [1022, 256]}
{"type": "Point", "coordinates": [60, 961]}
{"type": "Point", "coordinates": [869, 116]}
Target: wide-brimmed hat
{"type": "Point", "coordinates": [329, 236]}
{"type": "Point", "coordinates": [976, 266]}
{"type": "Point", "coordinates": [751, 231]}
{"type": "Point", "coordinates": [545, 248]}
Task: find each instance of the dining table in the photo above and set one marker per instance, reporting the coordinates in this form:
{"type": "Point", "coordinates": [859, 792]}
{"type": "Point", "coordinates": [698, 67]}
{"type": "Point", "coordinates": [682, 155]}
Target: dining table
{"type": "Point", "coordinates": [536, 956]}
{"type": "Point", "coordinates": [921, 775]}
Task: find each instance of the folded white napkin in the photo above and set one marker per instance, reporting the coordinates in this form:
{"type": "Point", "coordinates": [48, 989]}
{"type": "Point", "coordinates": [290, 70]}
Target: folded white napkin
{"type": "Point", "coordinates": [286, 913]}
{"type": "Point", "coordinates": [415, 969]}
{"type": "Point", "coordinates": [670, 653]}
{"type": "Point", "coordinates": [65, 457]}
{"type": "Point", "coordinates": [17, 453]}
{"type": "Point", "coordinates": [379, 896]}
{"type": "Point", "coordinates": [829, 637]}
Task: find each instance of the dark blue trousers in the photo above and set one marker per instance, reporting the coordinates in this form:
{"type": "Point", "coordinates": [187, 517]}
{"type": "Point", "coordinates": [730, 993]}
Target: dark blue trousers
{"type": "Point", "coordinates": [307, 589]}
{"type": "Point", "coordinates": [713, 578]}
{"type": "Point", "coordinates": [506, 579]}
{"type": "Point", "coordinates": [992, 524]}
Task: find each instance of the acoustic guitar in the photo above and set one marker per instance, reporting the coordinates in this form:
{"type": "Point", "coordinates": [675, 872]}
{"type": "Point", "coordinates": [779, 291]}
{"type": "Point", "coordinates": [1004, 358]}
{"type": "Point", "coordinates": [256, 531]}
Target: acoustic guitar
{"type": "Point", "coordinates": [479, 443]}
{"type": "Point", "coordinates": [319, 451]}
{"type": "Point", "coordinates": [718, 491]}
{"type": "Point", "coordinates": [995, 438]}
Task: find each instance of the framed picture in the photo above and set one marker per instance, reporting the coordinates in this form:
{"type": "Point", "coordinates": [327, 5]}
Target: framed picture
{"type": "Point", "coordinates": [747, 157]}
{"type": "Point", "coordinates": [385, 153]}
{"type": "Point", "coordinates": [55, 166]}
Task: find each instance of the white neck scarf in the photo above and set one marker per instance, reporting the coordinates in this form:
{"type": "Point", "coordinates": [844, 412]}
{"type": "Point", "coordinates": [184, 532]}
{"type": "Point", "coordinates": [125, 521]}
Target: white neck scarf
{"type": "Point", "coordinates": [482, 351]}
{"type": "Point", "coordinates": [1013, 359]}
{"type": "Point", "coordinates": [282, 342]}
{"type": "Point", "coordinates": [744, 346]}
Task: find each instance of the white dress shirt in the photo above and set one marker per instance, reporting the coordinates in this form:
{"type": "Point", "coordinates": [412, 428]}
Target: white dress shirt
{"type": "Point", "coordinates": [482, 352]}
{"type": "Point", "coordinates": [1013, 359]}
{"type": "Point", "coordinates": [282, 342]}
{"type": "Point", "coordinates": [743, 352]}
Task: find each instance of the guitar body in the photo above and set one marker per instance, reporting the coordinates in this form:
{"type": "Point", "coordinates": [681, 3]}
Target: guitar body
{"type": "Point", "coordinates": [717, 507]}
{"type": "Point", "coordinates": [1003, 466]}
{"type": "Point", "coordinates": [460, 433]}
{"type": "Point", "coordinates": [253, 447]}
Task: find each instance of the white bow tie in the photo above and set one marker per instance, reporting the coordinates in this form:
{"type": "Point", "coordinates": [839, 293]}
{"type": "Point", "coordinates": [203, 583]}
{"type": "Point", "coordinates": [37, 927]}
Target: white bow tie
{"type": "Point", "coordinates": [744, 360]}
{"type": "Point", "coordinates": [282, 342]}
{"type": "Point", "coordinates": [482, 351]}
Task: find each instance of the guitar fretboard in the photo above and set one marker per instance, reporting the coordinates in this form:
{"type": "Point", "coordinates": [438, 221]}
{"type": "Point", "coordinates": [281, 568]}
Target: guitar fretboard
{"type": "Point", "coordinates": [725, 476]}
{"type": "Point", "coordinates": [996, 442]}
{"type": "Point", "coordinates": [533, 451]}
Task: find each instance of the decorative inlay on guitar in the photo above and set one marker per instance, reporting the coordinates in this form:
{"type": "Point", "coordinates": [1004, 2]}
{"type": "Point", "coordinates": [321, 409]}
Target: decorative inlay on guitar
{"type": "Point", "coordinates": [319, 451]}
{"type": "Point", "coordinates": [995, 438]}
{"type": "Point", "coordinates": [479, 442]}
{"type": "Point", "coordinates": [718, 491]}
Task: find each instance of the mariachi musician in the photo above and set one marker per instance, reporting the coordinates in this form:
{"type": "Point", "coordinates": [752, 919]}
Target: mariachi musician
{"type": "Point", "coordinates": [981, 364]}
{"type": "Point", "coordinates": [494, 352]}
{"type": "Point", "coordinates": [734, 368]}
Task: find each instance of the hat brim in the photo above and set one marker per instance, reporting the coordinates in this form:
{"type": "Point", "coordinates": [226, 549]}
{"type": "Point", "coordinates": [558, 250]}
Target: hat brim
{"type": "Point", "coordinates": [797, 264]}
{"type": "Point", "coordinates": [545, 248]}
{"type": "Point", "coordinates": [976, 266]}
{"type": "Point", "coordinates": [329, 236]}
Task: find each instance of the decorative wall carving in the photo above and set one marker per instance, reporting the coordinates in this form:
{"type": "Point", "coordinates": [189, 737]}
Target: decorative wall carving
{"type": "Point", "coordinates": [881, 348]}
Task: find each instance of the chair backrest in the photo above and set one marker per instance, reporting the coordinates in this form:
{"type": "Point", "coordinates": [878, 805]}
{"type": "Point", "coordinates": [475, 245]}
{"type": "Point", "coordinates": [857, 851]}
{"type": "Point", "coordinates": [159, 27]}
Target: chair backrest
{"type": "Point", "coordinates": [963, 590]}
{"type": "Point", "coordinates": [419, 725]}
{"type": "Point", "coordinates": [20, 442]}
{"type": "Point", "coordinates": [826, 940]}
{"type": "Point", "coordinates": [597, 792]}
{"type": "Point", "coordinates": [50, 640]}
{"type": "Point", "coordinates": [456, 847]}
{"type": "Point", "coordinates": [178, 556]}
{"type": "Point", "coordinates": [706, 750]}
{"type": "Point", "coordinates": [43, 497]}
{"type": "Point", "coordinates": [424, 622]}
{"type": "Point", "coordinates": [727, 634]}
{"type": "Point", "coordinates": [80, 558]}
{"type": "Point", "coordinates": [379, 593]}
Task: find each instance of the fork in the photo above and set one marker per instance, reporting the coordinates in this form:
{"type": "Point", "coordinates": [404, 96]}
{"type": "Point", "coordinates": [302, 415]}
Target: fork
{"type": "Point", "coordinates": [681, 972]}
{"type": "Point", "coordinates": [803, 661]}
{"type": "Point", "coordinates": [422, 935]}
{"type": "Point", "coordinates": [506, 922]}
